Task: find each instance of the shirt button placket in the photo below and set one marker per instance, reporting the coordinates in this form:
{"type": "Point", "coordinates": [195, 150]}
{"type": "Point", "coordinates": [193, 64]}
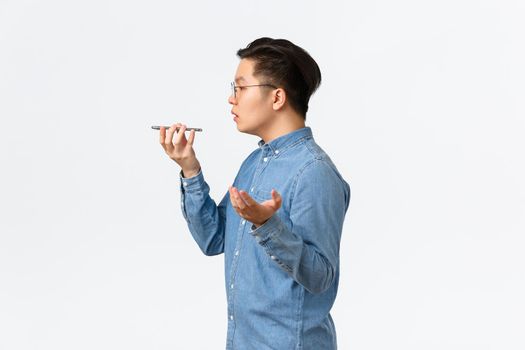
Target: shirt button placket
{"type": "Point", "coordinates": [235, 262]}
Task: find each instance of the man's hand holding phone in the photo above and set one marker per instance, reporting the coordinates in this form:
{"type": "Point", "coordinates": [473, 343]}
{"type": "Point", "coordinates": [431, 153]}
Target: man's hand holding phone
{"type": "Point", "coordinates": [180, 149]}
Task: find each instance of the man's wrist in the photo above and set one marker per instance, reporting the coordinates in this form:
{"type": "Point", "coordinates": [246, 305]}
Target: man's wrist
{"type": "Point", "coordinates": [259, 225]}
{"type": "Point", "coordinates": [189, 173]}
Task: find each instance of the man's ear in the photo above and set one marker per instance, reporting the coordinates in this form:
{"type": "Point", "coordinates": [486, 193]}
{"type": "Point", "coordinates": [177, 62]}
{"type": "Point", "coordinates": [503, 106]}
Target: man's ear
{"type": "Point", "coordinates": [279, 98]}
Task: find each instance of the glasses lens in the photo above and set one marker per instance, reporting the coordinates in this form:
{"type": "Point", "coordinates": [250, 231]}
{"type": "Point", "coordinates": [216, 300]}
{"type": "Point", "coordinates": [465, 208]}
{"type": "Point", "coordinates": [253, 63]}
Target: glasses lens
{"type": "Point", "coordinates": [233, 89]}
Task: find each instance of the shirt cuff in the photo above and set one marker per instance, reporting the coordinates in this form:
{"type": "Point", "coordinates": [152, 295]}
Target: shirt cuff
{"type": "Point", "coordinates": [267, 230]}
{"type": "Point", "coordinates": [191, 184]}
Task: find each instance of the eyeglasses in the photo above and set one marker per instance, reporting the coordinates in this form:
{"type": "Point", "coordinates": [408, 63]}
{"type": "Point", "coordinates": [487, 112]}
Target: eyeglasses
{"type": "Point", "coordinates": [235, 87]}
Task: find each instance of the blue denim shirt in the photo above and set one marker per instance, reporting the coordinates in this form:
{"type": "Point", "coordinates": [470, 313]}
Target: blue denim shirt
{"type": "Point", "coordinates": [281, 278]}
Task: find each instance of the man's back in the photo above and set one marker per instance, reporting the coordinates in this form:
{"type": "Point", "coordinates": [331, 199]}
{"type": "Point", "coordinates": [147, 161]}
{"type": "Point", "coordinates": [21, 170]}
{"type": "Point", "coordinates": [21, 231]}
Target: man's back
{"type": "Point", "coordinates": [281, 278]}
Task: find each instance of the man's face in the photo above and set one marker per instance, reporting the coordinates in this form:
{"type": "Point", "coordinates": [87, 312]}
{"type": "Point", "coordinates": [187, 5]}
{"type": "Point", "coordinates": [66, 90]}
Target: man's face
{"type": "Point", "coordinates": [252, 105]}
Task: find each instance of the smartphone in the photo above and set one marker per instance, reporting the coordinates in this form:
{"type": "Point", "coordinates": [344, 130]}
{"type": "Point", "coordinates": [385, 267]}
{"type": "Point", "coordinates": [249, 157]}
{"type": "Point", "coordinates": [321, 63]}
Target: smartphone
{"type": "Point", "coordinates": [167, 127]}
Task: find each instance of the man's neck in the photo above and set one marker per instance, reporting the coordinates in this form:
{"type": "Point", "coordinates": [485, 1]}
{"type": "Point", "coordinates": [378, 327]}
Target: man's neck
{"type": "Point", "coordinates": [283, 126]}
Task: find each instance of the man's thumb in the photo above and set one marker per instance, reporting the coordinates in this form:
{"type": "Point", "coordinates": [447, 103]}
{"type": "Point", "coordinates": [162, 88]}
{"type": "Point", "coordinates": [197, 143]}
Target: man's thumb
{"type": "Point", "coordinates": [276, 196]}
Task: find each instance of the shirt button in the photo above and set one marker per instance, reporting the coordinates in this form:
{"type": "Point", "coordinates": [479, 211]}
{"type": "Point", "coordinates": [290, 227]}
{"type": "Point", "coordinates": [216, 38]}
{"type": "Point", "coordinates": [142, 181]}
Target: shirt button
{"type": "Point", "coordinates": [243, 221]}
{"type": "Point", "coordinates": [231, 317]}
{"type": "Point", "coordinates": [185, 183]}
{"type": "Point", "coordinates": [231, 286]}
{"type": "Point", "coordinates": [252, 189]}
{"type": "Point", "coordinates": [273, 257]}
{"type": "Point", "coordinates": [276, 151]}
{"type": "Point", "coordinates": [265, 159]}
{"type": "Point", "coordinates": [236, 252]}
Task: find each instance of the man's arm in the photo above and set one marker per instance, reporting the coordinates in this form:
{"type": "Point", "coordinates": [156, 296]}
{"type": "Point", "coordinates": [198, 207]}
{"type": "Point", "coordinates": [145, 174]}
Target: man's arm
{"type": "Point", "coordinates": [206, 221]}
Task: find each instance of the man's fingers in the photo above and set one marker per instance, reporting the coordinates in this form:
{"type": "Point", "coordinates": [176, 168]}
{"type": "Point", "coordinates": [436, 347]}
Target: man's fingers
{"type": "Point", "coordinates": [240, 202]}
{"type": "Point", "coordinates": [191, 138]}
{"type": "Point", "coordinates": [237, 201]}
{"type": "Point", "coordinates": [162, 135]}
{"type": "Point", "coordinates": [247, 199]}
{"type": "Point", "coordinates": [180, 135]}
{"type": "Point", "coordinates": [169, 135]}
{"type": "Point", "coordinates": [232, 197]}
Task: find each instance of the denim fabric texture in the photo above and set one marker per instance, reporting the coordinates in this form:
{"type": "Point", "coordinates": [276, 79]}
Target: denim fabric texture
{"type": "Point", "coordinates": [281, 278]}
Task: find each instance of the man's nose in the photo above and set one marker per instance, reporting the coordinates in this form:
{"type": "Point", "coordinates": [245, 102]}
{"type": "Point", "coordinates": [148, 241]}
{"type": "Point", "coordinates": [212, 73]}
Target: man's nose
{"type": "Point", "coordinates": [231, 100]}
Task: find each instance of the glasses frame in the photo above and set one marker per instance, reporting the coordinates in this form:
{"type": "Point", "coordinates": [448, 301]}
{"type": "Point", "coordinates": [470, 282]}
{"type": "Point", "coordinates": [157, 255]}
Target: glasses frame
{"type": "Point", "coordinates": [235, 87]}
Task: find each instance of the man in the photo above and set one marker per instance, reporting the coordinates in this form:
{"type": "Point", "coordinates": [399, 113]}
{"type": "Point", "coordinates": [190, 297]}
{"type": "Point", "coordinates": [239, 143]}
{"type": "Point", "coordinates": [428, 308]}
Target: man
{"type": "Point", "coordinates": [279, 225]}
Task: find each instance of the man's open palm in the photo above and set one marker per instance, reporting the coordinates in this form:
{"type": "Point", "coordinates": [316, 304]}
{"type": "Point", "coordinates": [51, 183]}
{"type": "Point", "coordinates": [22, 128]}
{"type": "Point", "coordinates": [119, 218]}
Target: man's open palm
{"type": "Point", "coordinates": [249, 209]}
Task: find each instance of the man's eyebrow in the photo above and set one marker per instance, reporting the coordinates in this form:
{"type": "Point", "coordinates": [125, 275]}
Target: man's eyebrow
{"type": "Point", "coordinates": [240, 78]}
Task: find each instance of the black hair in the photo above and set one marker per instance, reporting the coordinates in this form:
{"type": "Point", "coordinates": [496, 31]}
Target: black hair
{"type": "Point", "coordinates": [285, 65]}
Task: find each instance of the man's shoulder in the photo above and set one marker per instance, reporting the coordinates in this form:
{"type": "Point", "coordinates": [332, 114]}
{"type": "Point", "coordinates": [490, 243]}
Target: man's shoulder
{"type": "Point", "coordinates": [308, 154]}
{"type": "Point", "coordinates": [316, 163]}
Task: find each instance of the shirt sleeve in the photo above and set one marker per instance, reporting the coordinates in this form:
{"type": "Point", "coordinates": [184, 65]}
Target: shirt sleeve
{"type": "Point", "coordinates": [309, 251]}
{"type": "Point", "coordinates": [206, 221]}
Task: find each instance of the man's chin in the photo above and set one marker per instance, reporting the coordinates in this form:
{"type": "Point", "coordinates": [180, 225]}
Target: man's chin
{"type": "Point", "coordinates": [245, 130]}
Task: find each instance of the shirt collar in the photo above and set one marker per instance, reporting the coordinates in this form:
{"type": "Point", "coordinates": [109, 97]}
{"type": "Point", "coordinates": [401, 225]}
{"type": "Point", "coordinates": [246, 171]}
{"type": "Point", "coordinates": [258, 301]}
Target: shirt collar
{"type": "Point", "coordinates": [284, 141]}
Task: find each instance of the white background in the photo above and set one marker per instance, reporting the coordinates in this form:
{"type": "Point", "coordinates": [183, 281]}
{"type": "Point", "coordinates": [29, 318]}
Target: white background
{"type": "Point", "coordinates": [421, 108]}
